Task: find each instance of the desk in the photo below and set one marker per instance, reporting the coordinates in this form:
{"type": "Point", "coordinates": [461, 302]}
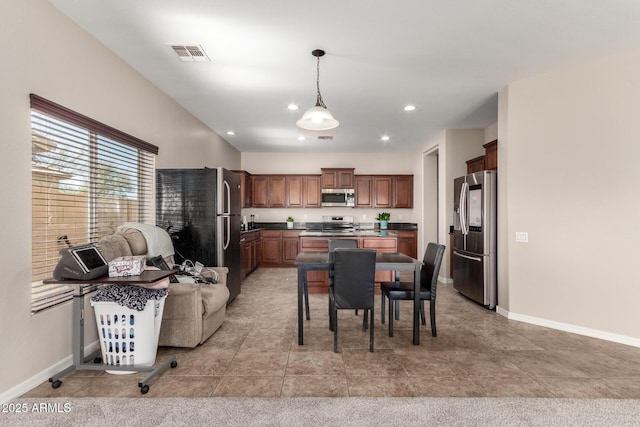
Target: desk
{"type": "Point", "coordinates": [79, 361]}
{"type": "Point", "coordinates": [306, 261]}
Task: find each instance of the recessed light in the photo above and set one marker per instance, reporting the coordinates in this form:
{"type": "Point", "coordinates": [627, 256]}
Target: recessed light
{"type": "Point", "coordinates": [385, 138]}
{"type": "Point", "coordinates": [230, 132]}
{"type": "Point", "coordinates": [292, 107]}
{"type": "Point", "coordinates": [409, 107]}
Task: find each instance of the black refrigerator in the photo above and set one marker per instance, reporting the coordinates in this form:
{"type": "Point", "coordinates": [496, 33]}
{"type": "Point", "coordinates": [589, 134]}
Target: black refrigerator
{"type": "Point", "coordinates": [475, 237]}
{"type": "Point", "coordinates": [200, 208]}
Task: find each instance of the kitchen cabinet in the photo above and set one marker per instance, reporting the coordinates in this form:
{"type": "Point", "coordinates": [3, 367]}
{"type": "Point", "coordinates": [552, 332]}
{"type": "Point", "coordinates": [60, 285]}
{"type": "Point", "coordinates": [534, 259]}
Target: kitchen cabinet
{"type": "Point", "coordinates": [279, 248]}
{"type": "Point", "coordinates": [364, 191]}
{"type": "Point", "coordinates": [277, 191]}
{"type": "Point", "coordinates": [317, 280]}
{"type": "Point", "coordinates": [312, 186]}
{"type": "Point", "coordinates": [294, 191]}
{"type": "Point", "coordinates": [337, 177]}
{"type": "Point", "coordinates": [491, 155]}
{"type": "Point", "coordinates": [382, 191]}
{"type": "Point", "coordinates": [403, 191]}
{"type": "Point", "coordinates": [249, 252]}
{"type": "Point", "coordinates": [259, 185]}
{"type": "Point", "coordinates": [407, 242]}
{"type": "Point", "coordinates": [475, 165]}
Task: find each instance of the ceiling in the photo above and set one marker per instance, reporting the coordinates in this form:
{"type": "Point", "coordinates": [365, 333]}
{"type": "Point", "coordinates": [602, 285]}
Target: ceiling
{"type": "Point", "coordinates": [448, 58]}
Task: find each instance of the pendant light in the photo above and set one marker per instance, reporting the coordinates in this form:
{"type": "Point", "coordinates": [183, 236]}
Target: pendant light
{"type": "Point", "coordinates": [318, 117]}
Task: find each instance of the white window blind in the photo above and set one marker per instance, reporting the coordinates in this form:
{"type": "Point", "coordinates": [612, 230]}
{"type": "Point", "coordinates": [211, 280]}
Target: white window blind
{"type": "Point", "coordinates": [87, 179]}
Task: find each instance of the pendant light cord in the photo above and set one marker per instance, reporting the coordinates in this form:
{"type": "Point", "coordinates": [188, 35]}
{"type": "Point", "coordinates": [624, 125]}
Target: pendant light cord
{"type": "Point", "coordinates": [319, 101]}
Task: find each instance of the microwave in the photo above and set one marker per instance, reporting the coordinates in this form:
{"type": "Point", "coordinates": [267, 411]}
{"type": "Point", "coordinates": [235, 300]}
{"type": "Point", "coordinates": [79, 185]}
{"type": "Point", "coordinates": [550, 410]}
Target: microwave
{"type": "Point", "coordinates": [338, 197]}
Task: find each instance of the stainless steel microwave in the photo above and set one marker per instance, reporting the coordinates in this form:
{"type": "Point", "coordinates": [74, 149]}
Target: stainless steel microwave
{"type": "Point", "coordinates": [338, 197]}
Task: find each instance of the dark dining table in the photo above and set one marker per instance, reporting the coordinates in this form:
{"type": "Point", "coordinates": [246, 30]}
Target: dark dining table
{"type": "Point", "coordinates": [385, 261]}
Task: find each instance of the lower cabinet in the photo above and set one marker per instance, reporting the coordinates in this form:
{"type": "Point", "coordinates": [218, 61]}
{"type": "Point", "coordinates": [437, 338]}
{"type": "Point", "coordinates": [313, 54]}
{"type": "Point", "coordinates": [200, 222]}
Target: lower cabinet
{"type": "Point", "coordinates": [408, 242]}
{"type": "Point", "coordinates": [249, 252]}
{"type": "Point", "coordinates": [279, 248]}
{"type": "Point", "coordinates": [318, 280]}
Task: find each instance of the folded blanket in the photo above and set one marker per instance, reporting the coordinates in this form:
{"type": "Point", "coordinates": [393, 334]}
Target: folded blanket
{"type": "Point", "coordinates": [158, 240]}
{"type": "Point", "coordinates": [133, 297]}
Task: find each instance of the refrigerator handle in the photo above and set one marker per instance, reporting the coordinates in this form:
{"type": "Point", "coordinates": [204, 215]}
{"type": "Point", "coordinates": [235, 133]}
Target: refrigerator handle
{"type": "Point", "coordinates": [463, 208]}
{"type": "Point", "coordinates": [227, 231]}
{"type": "Point", "coordinates": [227, 192]}
{"type": "Point", "coordinates": [472, 258]}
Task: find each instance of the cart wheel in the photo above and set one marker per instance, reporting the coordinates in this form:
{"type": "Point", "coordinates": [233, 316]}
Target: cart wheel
{"type": "Point", "coordinates": [144, 389]}
{"type": "Point", "coordinates": [97, 359]}
{"type": "Point", "coordinates": [174, 363]}
{"type": "Point", "coordinates": [56, 384]}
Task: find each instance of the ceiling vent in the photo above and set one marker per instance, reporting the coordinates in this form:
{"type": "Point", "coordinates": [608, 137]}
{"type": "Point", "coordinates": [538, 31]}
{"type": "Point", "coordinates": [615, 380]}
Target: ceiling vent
{"type": "Point", "coordinates": [325, 137]}
{"type": "Point", "coordinates": [190, 53]}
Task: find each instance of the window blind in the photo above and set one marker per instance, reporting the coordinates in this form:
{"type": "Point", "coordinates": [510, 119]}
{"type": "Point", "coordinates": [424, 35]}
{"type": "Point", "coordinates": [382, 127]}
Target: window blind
{"type": "Point", "coordinates": [87, 180]}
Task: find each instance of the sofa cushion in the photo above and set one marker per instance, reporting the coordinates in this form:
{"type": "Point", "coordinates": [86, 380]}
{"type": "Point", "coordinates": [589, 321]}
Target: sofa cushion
{"type": "Point", "coordinates": [214, 297]}
{"type": "Point", "coordinates": [135, 238]}
{"type": "Point", "coordinates": [113, 246]}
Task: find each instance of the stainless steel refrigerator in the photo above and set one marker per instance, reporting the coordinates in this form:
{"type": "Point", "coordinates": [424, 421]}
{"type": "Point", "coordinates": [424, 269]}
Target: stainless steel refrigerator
{"type": "Point", "coordinates": [200, 208]}
{"type": "Point", "coordinates": [474, 237]}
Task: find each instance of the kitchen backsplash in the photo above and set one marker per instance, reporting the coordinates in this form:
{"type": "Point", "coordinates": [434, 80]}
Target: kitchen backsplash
{"type": "Point", "coordinates": [315, 215]}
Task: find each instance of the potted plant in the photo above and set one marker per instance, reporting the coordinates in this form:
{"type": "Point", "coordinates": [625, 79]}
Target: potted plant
{"type": "Point", "coordinates": [290, 220]}
{"type": "Point", "coordinates": [383, 217]}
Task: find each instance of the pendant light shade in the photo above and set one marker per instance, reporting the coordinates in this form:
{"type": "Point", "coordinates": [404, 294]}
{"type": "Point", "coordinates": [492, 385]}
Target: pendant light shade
{"type": "Point", "coordinates": [317, 117]}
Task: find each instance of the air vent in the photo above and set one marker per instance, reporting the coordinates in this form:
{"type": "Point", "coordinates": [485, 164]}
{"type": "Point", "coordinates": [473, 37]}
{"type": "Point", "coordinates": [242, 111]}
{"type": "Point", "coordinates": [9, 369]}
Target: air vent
{"type": "Point", "coordinates": [190, 53]}
{"type": "Point", "coordinates": [325, 137]}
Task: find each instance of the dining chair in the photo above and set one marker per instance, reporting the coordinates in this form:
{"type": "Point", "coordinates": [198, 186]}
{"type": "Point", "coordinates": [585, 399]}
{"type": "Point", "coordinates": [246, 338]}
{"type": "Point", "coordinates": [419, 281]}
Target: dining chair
{"type": "Point", "coordinates": [333, 245]}
{"type": "Point", "coordinates": [353, 286]}
{"type": "Point", "coordinates": [396, 291]}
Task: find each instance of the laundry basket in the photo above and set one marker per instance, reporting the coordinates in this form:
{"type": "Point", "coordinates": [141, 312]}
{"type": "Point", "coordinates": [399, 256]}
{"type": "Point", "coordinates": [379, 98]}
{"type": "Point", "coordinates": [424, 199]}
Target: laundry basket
{"type": "Point", "coordinates": [127, 336]}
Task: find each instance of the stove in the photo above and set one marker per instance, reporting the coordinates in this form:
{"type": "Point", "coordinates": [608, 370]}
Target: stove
{"type": "Point", "coordinates": [338, 224]}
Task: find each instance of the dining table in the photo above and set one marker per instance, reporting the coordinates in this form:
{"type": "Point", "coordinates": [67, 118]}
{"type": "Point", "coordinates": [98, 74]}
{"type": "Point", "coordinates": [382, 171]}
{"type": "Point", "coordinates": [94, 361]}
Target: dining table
{"type": "Point", "coordinates": [385, 261]}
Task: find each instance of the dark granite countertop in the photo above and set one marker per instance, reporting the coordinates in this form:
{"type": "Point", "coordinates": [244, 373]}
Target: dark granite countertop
{"type": "Point", "coordinates": [317, 226]}
{"type": "Point", "coordinates": [360, 233]}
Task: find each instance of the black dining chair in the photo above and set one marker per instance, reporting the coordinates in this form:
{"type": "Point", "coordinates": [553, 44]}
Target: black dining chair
{"type": "Point", "coordinates": [396, 291]}
{"type": "Point", "coordinates": [333, 245]}
{"type": "Point", "coordinates": [353, 286]}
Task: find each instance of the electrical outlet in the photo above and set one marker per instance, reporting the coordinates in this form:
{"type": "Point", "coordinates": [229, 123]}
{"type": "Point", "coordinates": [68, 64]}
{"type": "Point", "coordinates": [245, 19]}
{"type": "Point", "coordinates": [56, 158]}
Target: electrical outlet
{"type": "Point", "coordinates": [364, 216]}
{"type": "Point", "coordinates": [306, 216]}
{"type": "Point", "coordinates": [522, 236]}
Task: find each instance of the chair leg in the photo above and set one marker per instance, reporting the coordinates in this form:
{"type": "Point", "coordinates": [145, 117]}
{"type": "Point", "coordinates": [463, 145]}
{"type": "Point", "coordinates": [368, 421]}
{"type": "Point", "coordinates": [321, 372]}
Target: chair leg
{"type": "Point", "coordinates": [365, 320]}
{"type": "Point", "coordinates": [331, 310]}
{"type": "Point", "coordinates": [335, 331]}
{"type": "Point", "coordinates": [371, 332]}
{"type": "Point", "coordinates": [432, 312]}
{"type": "Point", "coordinates": [397, 302]}
{"type": "Point", "coordinates": [382, 307]}
{"type": "Point", "coordinates": [391, 302]}
{"type": "Point", "coordinates": [422, 317]}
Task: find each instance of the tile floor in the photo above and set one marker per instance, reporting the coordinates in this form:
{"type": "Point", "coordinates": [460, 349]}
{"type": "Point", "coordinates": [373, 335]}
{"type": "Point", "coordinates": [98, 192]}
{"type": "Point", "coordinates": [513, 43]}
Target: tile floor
{"type": "Point", "coordinates": [476, 353]}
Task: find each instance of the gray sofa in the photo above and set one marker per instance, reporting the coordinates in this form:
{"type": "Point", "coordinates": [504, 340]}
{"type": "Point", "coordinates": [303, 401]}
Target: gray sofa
{"type": "Point", "coordinates": [192, 312]}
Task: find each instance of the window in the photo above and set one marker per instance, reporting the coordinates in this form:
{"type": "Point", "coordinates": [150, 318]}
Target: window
{"type": "Point", "coordinates": [87, 179]}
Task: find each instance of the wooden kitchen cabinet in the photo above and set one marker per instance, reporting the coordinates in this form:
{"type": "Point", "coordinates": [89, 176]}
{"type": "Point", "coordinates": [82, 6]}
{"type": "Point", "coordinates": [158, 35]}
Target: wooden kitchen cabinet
{"type": "Point", "coordinates": [407, 242]}
{"type": "Point", "coordinates": [279, 248]}
{"type": "Point", "coordinates": [491, 155]}
{"type": "Point", "coordinates": [312, 186]}
{"type": "Point", "coordinates": [259, 190]}
{"type": "Point", "coordinates": [364, 191]}
{"type": "Point", "coordinates": [382, 191]}
{"type": "Point", "coordinates": [277, 191]}
{"type": "Point", "coordinates": [294, 191]}
{"type": "Point", "coordinates": [403, 191]}
{"type": "Point", "coordinates": [475, 165]}
{"type": "Point", "coordinates": [337, 177]}
{"type": "Point", "coordinates": [249, 252]}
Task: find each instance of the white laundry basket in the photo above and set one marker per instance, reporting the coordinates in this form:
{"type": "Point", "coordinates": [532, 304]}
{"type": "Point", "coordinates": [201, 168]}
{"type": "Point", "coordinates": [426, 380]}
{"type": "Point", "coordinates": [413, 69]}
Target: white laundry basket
{"type": "Point", "coordinates": [128, 337]}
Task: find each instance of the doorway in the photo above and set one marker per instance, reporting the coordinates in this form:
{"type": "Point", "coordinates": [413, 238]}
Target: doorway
{"type": "Point", "coordinates": [430, 211]}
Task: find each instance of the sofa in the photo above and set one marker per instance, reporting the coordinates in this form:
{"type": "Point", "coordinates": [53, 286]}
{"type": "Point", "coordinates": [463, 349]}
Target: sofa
{"type": "Point", "coordinates": [192, 311]}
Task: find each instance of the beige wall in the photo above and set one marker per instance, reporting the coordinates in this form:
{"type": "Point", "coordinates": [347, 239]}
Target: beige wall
{"type": "Point", "coordinates": [45, 53]}
{"type": "Point", "coordinates": [571, 170]}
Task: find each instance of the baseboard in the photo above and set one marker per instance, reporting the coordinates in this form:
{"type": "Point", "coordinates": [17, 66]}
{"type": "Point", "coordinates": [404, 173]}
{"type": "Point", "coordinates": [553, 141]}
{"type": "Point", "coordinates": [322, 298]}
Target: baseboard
{"type": "Point", "coordinates": [44, 375]}
{"type": "Point", "coordinates": [566, 327]}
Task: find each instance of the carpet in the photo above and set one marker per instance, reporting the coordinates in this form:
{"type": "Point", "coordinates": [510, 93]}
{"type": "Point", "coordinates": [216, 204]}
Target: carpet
{"type": "Point", "coordinates": [320, 411]}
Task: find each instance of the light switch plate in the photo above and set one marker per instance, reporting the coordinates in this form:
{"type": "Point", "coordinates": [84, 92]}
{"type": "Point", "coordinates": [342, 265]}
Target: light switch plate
{"type": "Point", "coordinates": [522, 236]}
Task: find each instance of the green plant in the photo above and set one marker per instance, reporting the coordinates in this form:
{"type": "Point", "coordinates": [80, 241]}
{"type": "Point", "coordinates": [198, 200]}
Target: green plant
{"type": "Point", "coordinates": [383, 216]}
{"type": "Point", "coordinates": [290, 219]}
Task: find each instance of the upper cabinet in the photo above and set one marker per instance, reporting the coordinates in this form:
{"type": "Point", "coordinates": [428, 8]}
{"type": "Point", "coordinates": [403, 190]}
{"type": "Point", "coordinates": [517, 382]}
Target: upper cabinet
{"type": "Point", "coordinates": [246, 188]}
{"type": "Point", "coordinates": [286, 191]}
{"type": "Point", "coordinates": [337, 178]}
{"type": "Point", "coordinates": [487, 162]}
{"type": "Point", "coordinates": [384, 191]}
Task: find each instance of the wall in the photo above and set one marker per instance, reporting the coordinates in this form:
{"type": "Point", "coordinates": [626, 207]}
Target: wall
{"type": "Point", "coordinates": [311, 163]}
{"type": "Point", "coordinates": [46, 54]}
{"type": "Point", "coordinates": [572, 177]}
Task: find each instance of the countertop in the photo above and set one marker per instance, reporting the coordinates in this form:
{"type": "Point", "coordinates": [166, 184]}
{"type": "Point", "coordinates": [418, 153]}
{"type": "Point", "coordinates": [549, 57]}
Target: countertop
{"type": "Point", "coordinates": [357, 233]}
{"type": "Point", "coordinates": [317, 226]}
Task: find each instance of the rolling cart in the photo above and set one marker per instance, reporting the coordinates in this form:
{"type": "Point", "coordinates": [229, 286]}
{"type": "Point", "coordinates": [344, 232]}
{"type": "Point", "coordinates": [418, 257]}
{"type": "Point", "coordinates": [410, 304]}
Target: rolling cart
{"type": "Point", "coordinates": [80, 362]}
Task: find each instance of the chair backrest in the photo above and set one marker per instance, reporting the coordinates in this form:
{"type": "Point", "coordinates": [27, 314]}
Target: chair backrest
{"type": "Point", "coordinates": [341, 243]}
{"type": "Point", "coordinates": [430, 268]}
{"type": "Point", "coordinates": [354, 278]}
